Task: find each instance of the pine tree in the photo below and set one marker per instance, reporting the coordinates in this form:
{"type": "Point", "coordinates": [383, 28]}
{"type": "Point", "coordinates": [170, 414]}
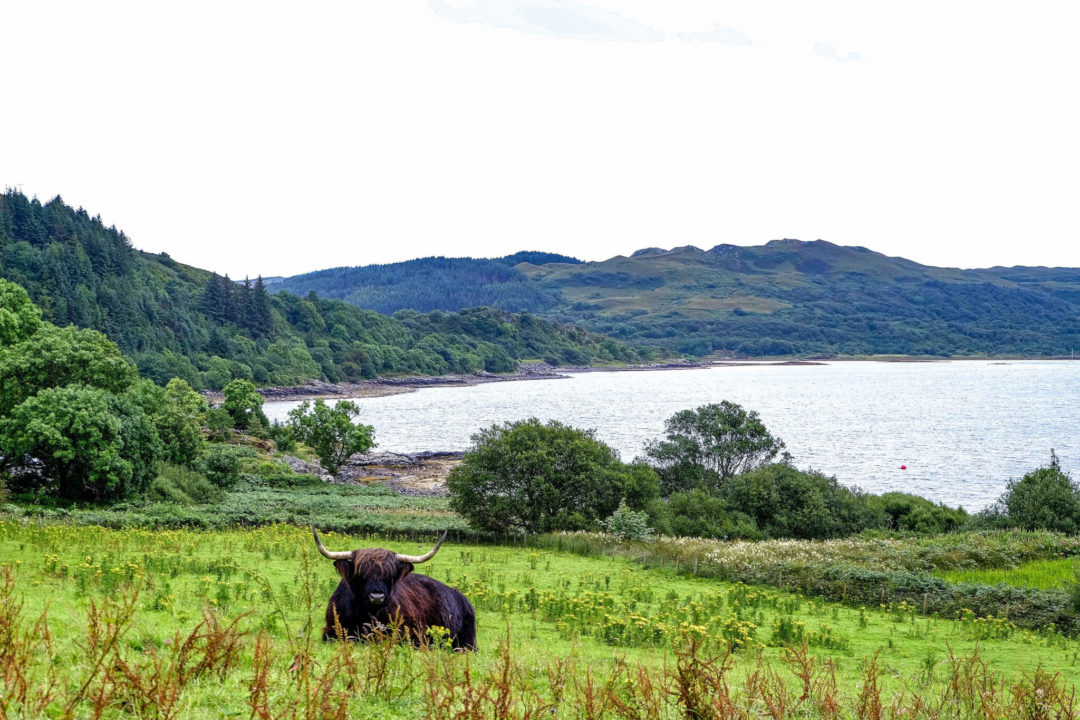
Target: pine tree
{"type": "Point", "coordinates": [243, 304]}
{"type": "Point", "coordinates": [214, 300]}
{"type": "Point", "coordinates": [229, 290]}
{"type": "Point", "coordinates": [260, 309]}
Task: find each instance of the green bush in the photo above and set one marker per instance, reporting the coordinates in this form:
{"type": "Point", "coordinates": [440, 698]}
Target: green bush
{"type": "Point", "coordinates": [911, 513]}
{"type": "Point", "coordinates": [243, 404]}
{"type": "Point", "coordinates": [222, 465]}
{"type": "Point", "coordinates": [181, 485]}
{"type": "Point", "coordinates": [539, 477]}
{"type": "Point", "coordinates": [785, 502]}
{"type": "Point", "coordinates": [627, 524]}
{"type": "Point", "coordinates": [284, 437]}
{"type": "Point", "coordinates": [219, 422]}
{"type": "Point", "coordinates": [92, 445]}
{"type": "Point", "coordinates": [1044, 499]}
{"type": "Point", "coordinates": [699, 514]}
{"type": "Point", "coordinates": [287, 480]}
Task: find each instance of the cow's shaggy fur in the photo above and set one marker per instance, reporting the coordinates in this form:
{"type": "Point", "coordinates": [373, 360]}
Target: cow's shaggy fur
{"type": "Point", "coordinates": [415, 602]}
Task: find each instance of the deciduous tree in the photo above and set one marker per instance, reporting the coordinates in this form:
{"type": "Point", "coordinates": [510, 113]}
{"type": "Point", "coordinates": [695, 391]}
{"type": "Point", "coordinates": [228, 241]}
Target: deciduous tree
{"type": "Point", "coordinates": [706, 446]}
{"type": "Point", "coordinates": [332, 432]}
{"type": "Point", "coordinates": [541, 477]}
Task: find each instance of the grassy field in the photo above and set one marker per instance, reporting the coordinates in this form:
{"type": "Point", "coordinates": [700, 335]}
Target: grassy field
{"type": "Point", "coordinates": [351, 508]}
{"type": "Point", "coordinates": [187, 623]}
{"type": "Point", "coordinates": [1038, 574]}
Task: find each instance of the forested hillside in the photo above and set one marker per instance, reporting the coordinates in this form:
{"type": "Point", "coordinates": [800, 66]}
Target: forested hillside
{"type": "Point", "coordinates": [787, 297]}
{"type": "Point", "coordinates": [434, 283]}
{"type": "Point", "coordinates": [174, 320]}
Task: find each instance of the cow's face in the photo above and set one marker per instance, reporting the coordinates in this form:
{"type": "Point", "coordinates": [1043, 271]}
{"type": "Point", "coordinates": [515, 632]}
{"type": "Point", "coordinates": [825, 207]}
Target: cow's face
{"type": "Point", "coordinates": [371, 575]}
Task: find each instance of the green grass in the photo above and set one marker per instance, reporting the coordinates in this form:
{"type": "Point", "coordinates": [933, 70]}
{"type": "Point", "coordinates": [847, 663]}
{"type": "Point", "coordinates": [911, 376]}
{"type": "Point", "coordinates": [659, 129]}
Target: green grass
{"type": "Point", "coordinates": [1043, 574]}
{"type": "Point", "coordinates": [591, 615]}
{"type": "Point", "coordinates": [353, 508]}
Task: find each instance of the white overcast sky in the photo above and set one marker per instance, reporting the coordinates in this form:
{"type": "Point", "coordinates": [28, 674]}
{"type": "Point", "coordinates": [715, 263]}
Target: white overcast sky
{"type": "Point", "coordinates": [267, 138]}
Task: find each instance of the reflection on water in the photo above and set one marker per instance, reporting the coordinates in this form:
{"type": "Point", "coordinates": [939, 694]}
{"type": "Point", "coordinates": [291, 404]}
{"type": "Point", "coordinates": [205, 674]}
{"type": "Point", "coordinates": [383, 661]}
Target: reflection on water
{"type": "Point", "coordinates": [962, 428]}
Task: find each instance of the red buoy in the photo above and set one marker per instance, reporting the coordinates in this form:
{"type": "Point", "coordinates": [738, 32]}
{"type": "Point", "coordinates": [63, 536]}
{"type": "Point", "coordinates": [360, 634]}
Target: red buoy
{"type": "Point", "coordinates": [903, 467]}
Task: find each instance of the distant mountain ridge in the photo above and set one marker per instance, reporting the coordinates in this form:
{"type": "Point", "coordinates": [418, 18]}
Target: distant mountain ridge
{"type": "Point", "coordinates": [785, 297]}
{"type": "Point", "coordinates": [433, 283]}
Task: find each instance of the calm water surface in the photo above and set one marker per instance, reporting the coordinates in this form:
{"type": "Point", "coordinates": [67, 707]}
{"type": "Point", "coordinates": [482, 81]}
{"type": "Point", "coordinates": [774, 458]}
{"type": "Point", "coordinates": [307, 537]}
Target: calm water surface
{"type": "Point", "coordinates": [962, 428]}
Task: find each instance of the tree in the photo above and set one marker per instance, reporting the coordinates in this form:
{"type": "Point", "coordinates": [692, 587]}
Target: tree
{"type": "Point", "coordinates": [785, 502]}
{"type": "Point", "coordinates": [242, 403]}
{"type": "Point", "coordinates": [91, 444]}
{"type": "Point", "coordinates": [54, 357]}
{"type": "Point", "coordinates": [706, 446]}
{"type": "Point", "coordinates": [19, 318]}
{"type": "Point", "coordinates": [259, 306]}
{"type": "Point", "coordinates": [1044, 499]}
{"type": "Point", "coordinates": [539, 477]}
{"type": "Point", "coordinates": [214, 299]}
{"type": "Point", "coordinates": [178, 418]}
{"type": "Point", "coordinates": [331, 432]}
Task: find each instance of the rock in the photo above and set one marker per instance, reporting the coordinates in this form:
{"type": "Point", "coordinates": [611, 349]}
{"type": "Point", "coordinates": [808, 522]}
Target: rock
{"type": "Point", "coordinates": [305, 467]}
{"type": "Point", "coordinates": [415, 474]}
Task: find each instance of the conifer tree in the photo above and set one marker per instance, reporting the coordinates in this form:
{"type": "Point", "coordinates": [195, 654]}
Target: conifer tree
{"type": "Point", "coordinates": [243, 304]}
{"type": "Point", "coordinates": [213, 300]}
{"type": "Point", "coordinates": [260, 309]}
{"type": "Point", "coordinates": [229, 291]}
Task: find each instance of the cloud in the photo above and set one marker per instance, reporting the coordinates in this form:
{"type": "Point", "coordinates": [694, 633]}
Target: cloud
{"type": "Point", "coordinates": [560, 18]}
{"type": "Point", "coordinates": [826, 50]}
{"type": "Point", "coordinates": [718, 34]}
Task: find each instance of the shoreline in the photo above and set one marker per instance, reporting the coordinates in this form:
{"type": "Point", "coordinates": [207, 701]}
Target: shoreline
{"type": "Point", "coordinates": [383, 387]}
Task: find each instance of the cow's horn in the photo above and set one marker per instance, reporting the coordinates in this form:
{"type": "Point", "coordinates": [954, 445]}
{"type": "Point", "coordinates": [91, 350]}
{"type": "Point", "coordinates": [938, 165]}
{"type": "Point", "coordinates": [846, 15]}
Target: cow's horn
{"type": "Point", "coordinates": [341, 555]}
{"type": "Point", "coordinates": [417, 559]}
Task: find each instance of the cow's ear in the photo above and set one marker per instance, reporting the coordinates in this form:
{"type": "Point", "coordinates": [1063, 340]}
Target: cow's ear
{"type": "Point", "coordinates": [404, 569]}
{"type": "Point", "coordinates": [344, 568]}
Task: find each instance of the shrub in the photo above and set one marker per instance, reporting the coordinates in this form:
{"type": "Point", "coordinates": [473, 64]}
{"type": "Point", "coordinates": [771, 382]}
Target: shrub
{"type": "Point", "coordinates": [539, 477]}
{"type": "Point", "coordinates": [243, 403]}
{"type": "Point", "coordinates": [1044, 499]}
{"type": "Point", "coordinates": [785, 502]}
{"type": "Point", "coordinates": [288, 480]}
{"type": "Point", "coordinates": [181, 485]}
{"type": "Point", "coordinates": [627, 524]}
{"type": "Point", "coordinates": [699, 514]}
{"type": "Point", "coordinates": [222, 465]}
{"type": "Point", "coordinates": [55, 357]}
{"type": "Point", "coordinates": [284, 437]}
{"type": "Point", "coordinates": [219, 422]}
{"type": "Point", "coordinates": [911, 513]}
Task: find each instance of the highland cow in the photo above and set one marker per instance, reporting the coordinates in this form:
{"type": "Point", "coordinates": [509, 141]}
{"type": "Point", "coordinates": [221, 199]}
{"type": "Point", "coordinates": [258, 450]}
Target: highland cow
{"type": "Point", "coordinates": [378, 590]}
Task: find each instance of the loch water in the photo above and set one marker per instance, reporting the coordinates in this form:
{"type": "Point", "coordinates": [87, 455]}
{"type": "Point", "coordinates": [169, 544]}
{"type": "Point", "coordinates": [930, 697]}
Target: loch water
{"type": "Point", "coordinates": [962, 428]}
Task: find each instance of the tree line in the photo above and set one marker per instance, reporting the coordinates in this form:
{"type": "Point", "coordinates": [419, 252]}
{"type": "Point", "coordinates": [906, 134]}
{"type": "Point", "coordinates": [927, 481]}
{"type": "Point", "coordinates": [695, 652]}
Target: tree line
{"type": "Point", "coordinates": [174, 320]}
{"type": "Point", "coordinates": [717, 472]}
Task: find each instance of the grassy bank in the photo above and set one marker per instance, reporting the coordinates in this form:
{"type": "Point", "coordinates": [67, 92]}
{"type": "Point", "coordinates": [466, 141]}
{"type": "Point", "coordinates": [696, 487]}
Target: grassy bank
{"type": "Point", "coordinates": [1043, 574]}
{"type": "Point", "coordinates": [560, 633]}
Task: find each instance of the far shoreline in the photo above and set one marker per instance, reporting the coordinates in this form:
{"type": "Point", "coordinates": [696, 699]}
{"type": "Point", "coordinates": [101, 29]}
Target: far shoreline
{"type": "Point", "coordinates": [386, 386]}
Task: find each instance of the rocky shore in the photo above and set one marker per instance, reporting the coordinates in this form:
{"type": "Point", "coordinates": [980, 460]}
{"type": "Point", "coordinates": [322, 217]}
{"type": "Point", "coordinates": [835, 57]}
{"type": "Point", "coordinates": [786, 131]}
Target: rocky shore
{"type": "Point", "coordinates": [415, 474]}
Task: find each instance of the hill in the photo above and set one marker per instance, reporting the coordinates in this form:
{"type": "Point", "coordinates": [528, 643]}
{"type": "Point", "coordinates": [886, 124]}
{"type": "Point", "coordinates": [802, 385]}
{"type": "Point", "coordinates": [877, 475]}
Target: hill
{"type": "Point", "coordinates": [807, 298]}
{"type": "Point", "coordinates": [434, 283]}
{"type": "Point", "coordinates": [175, 320]}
